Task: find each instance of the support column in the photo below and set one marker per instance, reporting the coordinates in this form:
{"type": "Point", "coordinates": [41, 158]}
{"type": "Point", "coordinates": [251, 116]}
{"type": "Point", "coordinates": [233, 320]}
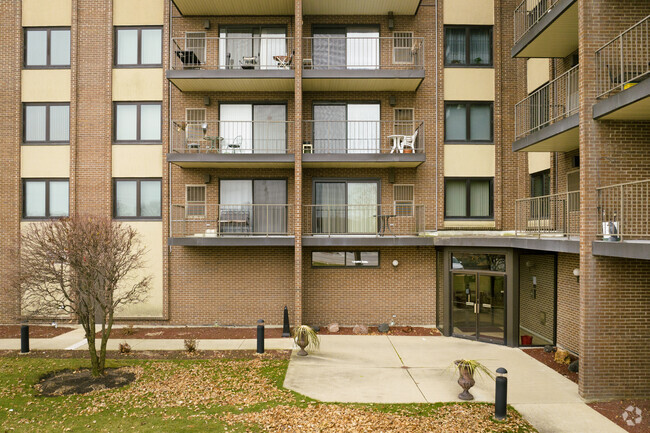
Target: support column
{"type": "Point", "coordinates": [297, 118]}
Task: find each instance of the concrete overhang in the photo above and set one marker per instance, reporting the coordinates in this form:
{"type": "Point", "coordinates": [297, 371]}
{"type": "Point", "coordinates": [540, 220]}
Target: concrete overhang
{"type": "Point", "coordinates": [226, 160]}
{"type": "Point", "coordinates": [237, 7]}
{"type": "Point", "coordinates": [373, 160]}
{"type": "Point", "coordinates": [554, 35]}
{"type": "Point", "coordinates": [367, 241]}
{"type": "Point", "coordinates": [626, 249]}
{"type": "Point", "coordinates": [538, 244]}
{"type": "Point", "coordinates": [561, 136]}
{"type": "Point", "coordinates": [233, 241]}
{"type": "Point", "coordinates": [630, 104]}
{"type": "Point", "coordinates": [360, 7]}
{"type": "Point", "coordinates": [232, 80]}
{"type": "Point", "coordinates": [362, 80]}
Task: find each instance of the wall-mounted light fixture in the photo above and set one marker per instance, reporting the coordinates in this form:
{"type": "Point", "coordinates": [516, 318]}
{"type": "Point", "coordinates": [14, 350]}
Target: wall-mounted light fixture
{"type": "Point", "coordinates": [534, 292]}
{"type": "Point", "coordinates": [395, 263]}
{"type": "Point", "coordinates": [207, 178]}
{"type": "Point", "coordinates": [391, 21]}
{"type": "Point", "coordinates": [206, 100]}
{"type": "Point", "coordinates": [206, 24]}
{"type": "Point", "coordinates": [576, 273]}
{"type": "Point", "coordinates": [392, 100]}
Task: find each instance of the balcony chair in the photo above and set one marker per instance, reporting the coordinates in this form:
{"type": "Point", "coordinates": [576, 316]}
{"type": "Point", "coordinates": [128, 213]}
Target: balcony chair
{"type": "Point", "coordinates": [284, 62]}
{"type": "Point", "coordinates": [248, 62]}
{"type": "Point", "coordinates": [235, 145]}
{"type": "Point", "coordinates": [234, 221]}
{"type": "Point", "coordinates": [189, 59]}
{"type": "Point", "coordinates": [409, 141]}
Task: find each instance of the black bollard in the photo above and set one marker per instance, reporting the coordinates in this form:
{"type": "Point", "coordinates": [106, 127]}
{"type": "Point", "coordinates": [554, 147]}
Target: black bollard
{"type": "Point", "coordinates": [24, 338]}
{"type": "Point", "coordinates": [501, 394]}
{"type": "Point", "coordinates": [260, 336]}
{"type": "Point", "coordinates": [286, 332]}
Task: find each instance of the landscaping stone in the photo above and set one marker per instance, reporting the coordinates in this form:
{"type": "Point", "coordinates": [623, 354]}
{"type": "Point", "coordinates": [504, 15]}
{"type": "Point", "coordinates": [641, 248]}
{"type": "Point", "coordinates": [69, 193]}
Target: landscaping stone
{"type": "Point", "coordinates": [383, 327]}
{"type": "Point", "coordinates": [360, 330]}
{"type": "Point", "coordinates": [316, 328]}
{"type": "Point", "coordinates": [562, 357]}
{"type": "Point", "coordinates": [573, 367]}
{"type": "Point", "coordinates": [334, 327]}
{"type": "Point", "coordinates": [548, 348]}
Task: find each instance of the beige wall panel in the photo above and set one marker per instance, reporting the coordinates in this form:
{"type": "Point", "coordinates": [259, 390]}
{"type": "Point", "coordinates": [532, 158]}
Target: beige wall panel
{"type": "Point", "coordinates": [44, 13]}
{"type": "Point", "coordinates": [45, 85]}
{"type": "Point", "coordinates": [469, 160]}
{"type": "Point", "coordinates": [138, 84]}
{"type": "Point", "coordinates": [537, 73]}
{"type": "Point", "coordinates": [538, 161]}
{"type": "Point", "coordinates": [151, 237]}
{"type": "Point", "coordinates": [479, 12]}
{"type": "Point", "coordinates": [45, 161]}
{"type": "Point", "coordinates": [138, 12]}
{"type": "Point", "coordinates": [469, 84]}
{"type": "Point", "coordinates": [137, 160]}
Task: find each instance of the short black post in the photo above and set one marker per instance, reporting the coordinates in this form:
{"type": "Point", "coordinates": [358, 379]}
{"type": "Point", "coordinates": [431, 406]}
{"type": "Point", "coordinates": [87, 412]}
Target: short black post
{"type": "Point", "coordinates": [286, 332]}
{"type": "Point", "coordinates": [24, 338]}
{"type": "Point", "coordinates": [260, 336]}
{"type": "Point", "coordinates": [501, 394]}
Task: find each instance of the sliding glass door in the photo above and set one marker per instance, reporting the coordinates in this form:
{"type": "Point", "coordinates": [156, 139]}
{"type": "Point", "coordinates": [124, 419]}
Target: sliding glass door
{"type": "Point", "coordinates": [363, 128]}
{"type": "Point", "coordinates": [251, 47]}
{"type": "Point", "coordinates": [347, 128]}
{"type": "Point", "coordinates": [253, 128]}
{"type": "Point", "coordinates": [346, 48]}
{"type": "Point", "coordinates": [345, 207]}
{"type": "Point", "coordinates": [253, 206]}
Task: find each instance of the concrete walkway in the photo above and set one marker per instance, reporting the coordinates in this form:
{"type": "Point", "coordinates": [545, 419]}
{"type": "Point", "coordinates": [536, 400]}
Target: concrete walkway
{"type": "Point", "coordinates": [384, 369]}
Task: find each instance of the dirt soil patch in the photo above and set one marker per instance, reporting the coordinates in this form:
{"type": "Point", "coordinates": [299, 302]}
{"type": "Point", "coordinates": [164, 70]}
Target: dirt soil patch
{"type": "Point", "coordinates": [35, 331]}
{"type": "Point", "coordinates": [631, 415]}
{"type": "Point", "coordinates": [548, 359]}
{"type": "Point", "coordinates": [416, 331]}
{"type": "Point", "coordinates": [71, 382]}
{"type": "Point", "coordinates": [155, 354]}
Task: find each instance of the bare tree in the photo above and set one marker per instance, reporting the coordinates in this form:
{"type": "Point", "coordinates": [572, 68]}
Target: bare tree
{"type": "Point", "coordinates": [84, 267]}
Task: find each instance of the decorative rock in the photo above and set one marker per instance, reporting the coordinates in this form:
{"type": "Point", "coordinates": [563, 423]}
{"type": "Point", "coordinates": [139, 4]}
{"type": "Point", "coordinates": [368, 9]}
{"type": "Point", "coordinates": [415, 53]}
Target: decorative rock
{"type": "Point", "coordinates": [383, 327]}
{"type": "Point", "coordinates": [562, 357]}
{"type": "Point", "coordinates": [360, 330]}
{"type": "Point", "coordinates": [548, 348]}
{"type": "Point", "coordinates": [573, 367]}
{"type": "Point", "coordinates": [333, 328]}
{"type": "Point", "coordinates": [316, 328]}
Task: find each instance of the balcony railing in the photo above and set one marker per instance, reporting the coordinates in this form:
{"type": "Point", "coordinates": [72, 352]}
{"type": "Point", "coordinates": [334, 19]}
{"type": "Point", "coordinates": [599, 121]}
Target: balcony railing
{"type": "Point", "coordinates": [624, 211]}
{"type": "Point", "coordinates": [625, 60]}
{"type": "Point", "coordinates": [249, 137]}
{"type": "Point", "coordinates": [528, 13]}
{"type": "Point", "coordinates": [212, 220]}
{"type": "Point", "coordinates": [341, 52]}
{"type": "Point", "coordinates": [555, 101]}
{"type": "Point", "coordinates": [556, 214]}
{"type": "Point", "coordinates": [363, 136]}
{"type": "Point", "coordinates": [256, 52]}
{"type": "Point", "coordinates": [367, 219]}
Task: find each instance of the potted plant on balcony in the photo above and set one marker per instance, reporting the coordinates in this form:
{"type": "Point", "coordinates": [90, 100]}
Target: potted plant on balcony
{"type": "Point", "coordinates": [466, 369]}
{"type": "Point", "coordinates": [305, 336]}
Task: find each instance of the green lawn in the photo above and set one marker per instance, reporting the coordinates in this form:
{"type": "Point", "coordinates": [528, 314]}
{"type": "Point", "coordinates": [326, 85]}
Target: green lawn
{"type": "Point", "coordinates": [216, 396]}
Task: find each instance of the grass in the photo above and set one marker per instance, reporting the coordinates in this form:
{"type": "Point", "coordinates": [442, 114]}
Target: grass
{"type": "Point", "coordinates": [188, 396]}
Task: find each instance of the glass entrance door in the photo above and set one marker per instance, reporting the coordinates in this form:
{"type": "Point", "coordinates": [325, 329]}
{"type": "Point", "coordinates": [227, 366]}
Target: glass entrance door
{"type": "Point", "coordinates": [464, 305]}
{"type": "Point", "coordinates": [478, 310]}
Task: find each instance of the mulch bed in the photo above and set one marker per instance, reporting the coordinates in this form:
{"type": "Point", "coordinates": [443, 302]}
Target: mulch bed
{"type": "Point", "coordinates": [614, 410]}
{"type": "Point", "coordinates": [70, 382]}
{"type": "Point", "coordinates": [416, 331]}
{"type": "Point", "coordinates": [548, 359]}
{"type": "Point", "coordinates": [155, 354]}
{"type": "Point", "coordinates": [35, 331]}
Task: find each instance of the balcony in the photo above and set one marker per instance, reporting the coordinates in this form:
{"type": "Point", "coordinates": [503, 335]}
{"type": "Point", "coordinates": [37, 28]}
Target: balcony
{"type": "Point", "coordinates": [363, 143]}
{"type": "Point", "coordinates": [229, 7]}
{"type": "Point", "coordinates": [364, 225]}
{"type": "Point", "coordinates": [623, 69]}
{"type": "Point", "coordinates": [552, 216]}
{"type": "Point", "coordinates": [226, 144]}
{"type": "Point", "coordinates": [545, 28]}
{"type": "Point", "coordinates": [547, 120]}
{"type": "Point", "coordinates": [362, 64]}
{"type": "Point", "coordinates": [232, 225]}
{"type": "Point", "coordinates": [233, 64]}
{"type": "Point", "coordinates": [360, 7]}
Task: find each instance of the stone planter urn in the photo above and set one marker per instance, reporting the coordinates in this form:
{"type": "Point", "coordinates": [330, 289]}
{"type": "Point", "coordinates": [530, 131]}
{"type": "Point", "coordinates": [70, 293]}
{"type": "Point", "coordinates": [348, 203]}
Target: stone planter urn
{"type": "Point", "coordinates": [465, 380]}
{"type": "Point", "coordinates": [302, 343]}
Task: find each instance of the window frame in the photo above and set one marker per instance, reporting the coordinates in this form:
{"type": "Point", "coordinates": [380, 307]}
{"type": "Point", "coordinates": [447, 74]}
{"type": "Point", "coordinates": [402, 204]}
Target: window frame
{"type": "Point", "coordinates": [404, 204]}
{"type": "Point", "coordinates": [188, 202]}
{"type": "Point", "coordinates": [47, 181]}
{"type": "Point", "coordinates": [47, 140]}
{"type": "Point", "coordinates": [138, 216]}
{"type": "Point", "coordinates": [48, 55]}
{"type": "Point", "coordinates": [345, 266]}
{"type": "Point", "coordinates": [544, 174]}
{"type": "Point", "coordinates": [138, 104]}
{"type": "Point", "coordinates": [139, 63]}
{"type": "Point", "coordinates": [468, 210]}
{"type": "Point", "coordinates": [468, 122]}
{"type": "Point", "coordinates": [468, 29]}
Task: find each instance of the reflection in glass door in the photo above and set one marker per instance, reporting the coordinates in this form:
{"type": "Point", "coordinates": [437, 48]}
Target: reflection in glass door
{"type": "Point", "coordinates": [479, 309]}
{"type": "Point", "coordinates": [464, 304]}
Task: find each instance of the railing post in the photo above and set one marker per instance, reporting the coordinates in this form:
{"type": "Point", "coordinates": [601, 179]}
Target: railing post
{"type": "Point", "coordinates": [622, 76]}
{"type": "Point", "coordinates": [620, 215]}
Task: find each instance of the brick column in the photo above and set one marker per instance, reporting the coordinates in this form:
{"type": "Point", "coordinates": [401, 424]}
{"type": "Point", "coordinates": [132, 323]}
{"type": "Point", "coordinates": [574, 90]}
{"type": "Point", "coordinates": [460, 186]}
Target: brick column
{"type": "Point", "coordinates": [298, 164]}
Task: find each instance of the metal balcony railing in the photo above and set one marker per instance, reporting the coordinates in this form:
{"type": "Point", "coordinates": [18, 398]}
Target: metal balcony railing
{"type": "Point", "coordinates": [556, 214]}
{"type": "Point", "coordinates": [363, 136]}
{"type": "Point", "coordinates": [253, 52]}
{"type": "Point", "coordinates": [528, 13]}
{"type": "Point", "coordinates": [555, 101]}
{"type": "Point", "coordinates": [402, 51]}
{"type": "Point", "coordinates": [368, 219]}
{"type": "Point", "coordinates": [249, 137]}
{"type": "Point", "coordinates": [212, 220]}
{"type": "Point", "coordinates": [625, 60]}
{"type": "Point", "coordinates": [624, 211]}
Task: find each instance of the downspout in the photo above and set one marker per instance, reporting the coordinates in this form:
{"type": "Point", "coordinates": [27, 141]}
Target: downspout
{"type": "Point", "coordinates": [436, 112]}
{"type": "Point", "coordinates": [169, 135]}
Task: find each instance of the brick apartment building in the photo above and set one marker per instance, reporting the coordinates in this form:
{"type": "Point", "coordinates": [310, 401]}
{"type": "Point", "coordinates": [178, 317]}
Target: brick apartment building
{"type": "Point", "coordinates": [478, 165]}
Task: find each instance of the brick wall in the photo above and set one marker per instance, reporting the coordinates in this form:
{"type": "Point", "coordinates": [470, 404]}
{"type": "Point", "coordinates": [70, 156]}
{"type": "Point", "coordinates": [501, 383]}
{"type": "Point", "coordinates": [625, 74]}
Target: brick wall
{"type": "Point", "coordinates": [537, 304]}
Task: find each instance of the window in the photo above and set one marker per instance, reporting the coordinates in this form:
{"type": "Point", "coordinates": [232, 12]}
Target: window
{"type": "Point", "coordinates": [468, 46]}
{"type": "Point", "coordinates": [540, 183]}
{"type": "Point", "coordinates": [47, 48]}
{"type": "Point", "coordinates": [468, 198]}
{"type": "Point", "coordinates": [138, 122]}
{"type": "Point", "coordinates": [335, 259]}
{"type": "Point", "coordinates": [45, 198]}
{"type": "Point", "coordinates": [573, 186]}
{"type": "Point", "coordinates": [405, 48]}
{"type": "Point", "coordinates": [468, 122]}
{"type": "Point", "coordinates": [46, 123]}
{"type": "Point", "coordinates": [195, 201]}
{"type": "Point", "coordinates": [138, 46]}
{"type": "Point", "coordinates": [254, 206]}
{"type": "Point", "coordinates": [347, 128]}
{"type": "Point", "coordinates": [403, 199]}
{"type": "Point", "coordinates": [137, 198]}
{"type": "Point", "coordinates": [253, 128]}
{"type": "Point", "coordinates": [345, 206]}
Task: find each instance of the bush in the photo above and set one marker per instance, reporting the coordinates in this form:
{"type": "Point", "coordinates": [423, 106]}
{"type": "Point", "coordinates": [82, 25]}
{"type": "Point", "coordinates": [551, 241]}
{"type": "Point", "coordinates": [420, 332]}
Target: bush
{"type": "Point", "coordinates": [125, 348]}
{"type": "Point", "coordinates": [191, 345]}
{"type": "Point", "coordinates": [128, 330]}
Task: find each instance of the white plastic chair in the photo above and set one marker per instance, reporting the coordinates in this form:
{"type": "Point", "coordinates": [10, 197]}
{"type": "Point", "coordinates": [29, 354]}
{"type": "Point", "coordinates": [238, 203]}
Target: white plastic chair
{"type": "Point", "coordinates": [409, 141]}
